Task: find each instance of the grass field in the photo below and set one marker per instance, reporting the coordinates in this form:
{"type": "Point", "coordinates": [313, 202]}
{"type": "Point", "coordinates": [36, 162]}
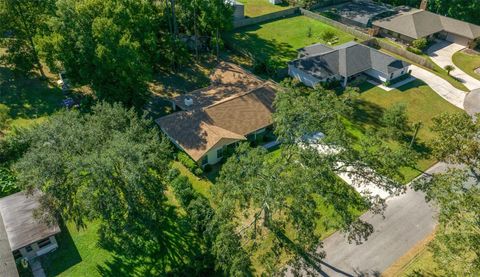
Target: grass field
{"type": "Point", "coordinates": [29, 99]}
{"type": "Point", "coordinates": [254, 8]}
{"type": "Point", "coordinates": [280, 39]}
{"type": "Point", "coordinates": [468, 63]}
{"type": "Point", "coordinates": [422, 103]}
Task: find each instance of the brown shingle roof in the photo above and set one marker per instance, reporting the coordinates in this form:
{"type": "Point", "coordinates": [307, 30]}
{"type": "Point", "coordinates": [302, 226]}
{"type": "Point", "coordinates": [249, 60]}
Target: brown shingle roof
{"type": "Point", "coordinates": [419, 23]}
{"type": "Point", "coordinates": [21, 226]}
{"type": "Point", "coordinates": [225, 122]}
{"type": "Point", "coordinates": [228, 80]}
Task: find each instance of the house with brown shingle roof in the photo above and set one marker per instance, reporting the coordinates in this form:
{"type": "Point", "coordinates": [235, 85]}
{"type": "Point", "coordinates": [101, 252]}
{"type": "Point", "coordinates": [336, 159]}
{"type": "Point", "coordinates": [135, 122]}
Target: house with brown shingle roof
{"type": "Point", "coordinates": [236, 106]}
{"type": "Point", "coordinates": [413, 24]}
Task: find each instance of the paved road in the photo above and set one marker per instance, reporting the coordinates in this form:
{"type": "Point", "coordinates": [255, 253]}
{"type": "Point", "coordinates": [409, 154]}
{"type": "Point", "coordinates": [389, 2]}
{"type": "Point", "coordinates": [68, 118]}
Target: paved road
{"type": "Point", "coordinates": [440, 86]}
{"type": "Point", "coordinates": [408, 220]}
{"type": "Point", "coordinates": [442, 52]}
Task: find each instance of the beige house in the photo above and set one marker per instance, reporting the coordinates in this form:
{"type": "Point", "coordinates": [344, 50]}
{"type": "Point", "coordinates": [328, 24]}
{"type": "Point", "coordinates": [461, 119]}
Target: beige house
{"type": "Point", "coordinates": [414, 24]}
{"type": "Point", "coordinates": [27, 236]}
{"type": "Point", "coordinates": [236, 107]}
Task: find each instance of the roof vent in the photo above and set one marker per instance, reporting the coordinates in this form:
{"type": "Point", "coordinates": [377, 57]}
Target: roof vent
{"type": "Point", "coordinates": [188, 101]}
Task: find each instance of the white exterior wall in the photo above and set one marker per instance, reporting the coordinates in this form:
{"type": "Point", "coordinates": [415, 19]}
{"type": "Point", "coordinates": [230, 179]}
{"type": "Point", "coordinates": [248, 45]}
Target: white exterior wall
{"type": "Point", "coordinates": [303, 77]}
{"type": "Point", "coordinates": [383, 77]}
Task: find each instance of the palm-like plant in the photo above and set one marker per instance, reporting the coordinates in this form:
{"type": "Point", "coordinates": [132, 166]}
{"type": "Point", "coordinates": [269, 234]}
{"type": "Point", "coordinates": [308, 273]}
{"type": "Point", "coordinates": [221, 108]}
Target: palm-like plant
{"type": "Point", "coordinates": [449, 68]}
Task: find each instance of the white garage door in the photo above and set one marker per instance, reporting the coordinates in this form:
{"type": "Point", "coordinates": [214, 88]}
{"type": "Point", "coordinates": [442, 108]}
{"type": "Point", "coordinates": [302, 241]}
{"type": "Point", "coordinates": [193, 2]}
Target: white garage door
{"type": "Point", "coordinates": [458, 39]}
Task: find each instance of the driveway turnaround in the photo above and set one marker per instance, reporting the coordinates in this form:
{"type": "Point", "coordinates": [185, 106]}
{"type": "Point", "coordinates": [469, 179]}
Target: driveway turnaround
{"type": "Point", "coordinates": [407, 220]}
{"type": "Point", "coordinates": [440, 86]}
{"type": "Point", "coordinates": [442, 52]}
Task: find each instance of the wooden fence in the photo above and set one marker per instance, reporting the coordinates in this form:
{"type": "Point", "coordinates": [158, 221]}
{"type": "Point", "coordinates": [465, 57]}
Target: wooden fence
{"type": "Point", "coordinates": [264, 18]}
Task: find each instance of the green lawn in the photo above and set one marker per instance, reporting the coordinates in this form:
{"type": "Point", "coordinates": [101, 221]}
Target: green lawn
{"type": "Point", "coordinates": [29, 99]}
{"type": "Point", "coordinates": [468, 63]}
{"type": "Point", "coordinates": [422, 105]}
{"type": "Point", "coordinates": [254, 8]}
{"type": "Point", "coordinates": [280, 39]}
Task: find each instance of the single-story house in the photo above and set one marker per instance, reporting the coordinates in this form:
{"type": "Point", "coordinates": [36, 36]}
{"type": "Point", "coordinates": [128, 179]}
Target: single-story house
{"type": "Point", "coordinates": [415, 24]}
{"type": "Point", "coordinates": [237, 107]}
{"type": "Point", "coordinates": [27, 236]}
{"type": "Point", "coordinates": [360, 13]}
{"type": "Point", "coordinates": [320, 63]}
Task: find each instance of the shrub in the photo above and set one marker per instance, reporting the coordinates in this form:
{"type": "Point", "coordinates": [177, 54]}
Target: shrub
{"type": "Point", "coordinates": [7, 182]}
{"type": "Point", "coordinates": [387, 83]}
{"type": "Point", "coordinates": [328, 36]}
{"type": "Point", "coordinates": [207, 168]}
{"type": "Point", "coordinates": [4, 116]}
{"type": "Point", "coordinates": [198, 171]}
{"type": "Point", "coordinates": [187, 161]}
{"type": "Point", "coordinates": [420, 43]}
{"type": "Point", "coordinates": [414, 50]}
{"type": "Point", "coordinates": [183, 190]}
{"type": "Point", "coordinates": [172, 174]}
{"type": "Point", "coordinates": [200, 213]}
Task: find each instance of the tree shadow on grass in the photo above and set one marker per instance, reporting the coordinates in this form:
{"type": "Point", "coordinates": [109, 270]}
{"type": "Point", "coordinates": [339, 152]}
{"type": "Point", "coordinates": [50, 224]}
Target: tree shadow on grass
{"type": "Point", "coordinates": [64, 257]}
{"type": "Point", "coordinates": [178, 252]}
{"type": "Point", "coordinates": [249, 43]}
{"type": "Point", "coordinates": [28, 97]}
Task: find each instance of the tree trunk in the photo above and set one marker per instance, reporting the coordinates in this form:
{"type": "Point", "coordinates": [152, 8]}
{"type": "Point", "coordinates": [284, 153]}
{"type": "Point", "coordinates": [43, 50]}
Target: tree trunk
{"type": "Point", "coordinates": [174, 19]}
{"type": "Point", "coordinates": [30, 37]}
{"type": "Point", "coordinates": [418, 125]}
{"type": "Point", "coordinates": [217, 44]}
{"type": "Point", "coordinates": [195, 29]}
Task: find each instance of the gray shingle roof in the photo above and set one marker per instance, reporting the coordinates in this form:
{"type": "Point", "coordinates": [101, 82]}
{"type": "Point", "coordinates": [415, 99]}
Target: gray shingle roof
{"type": "Point", "coordinates": [419, 23]}
{"type": "Point", "coordinates": [347, 60]}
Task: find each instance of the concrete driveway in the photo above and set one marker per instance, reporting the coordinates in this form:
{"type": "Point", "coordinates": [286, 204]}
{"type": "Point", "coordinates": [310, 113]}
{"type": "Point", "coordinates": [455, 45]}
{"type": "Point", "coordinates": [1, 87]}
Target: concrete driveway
{"type": "Point", "coordinates": [442, 52]}
{"type": "Point", "coordinates": [440, 86]}
{"type": "Point", "coordinates": [407, 220]}
{"type": "Point", "coordinates": [472, 102]}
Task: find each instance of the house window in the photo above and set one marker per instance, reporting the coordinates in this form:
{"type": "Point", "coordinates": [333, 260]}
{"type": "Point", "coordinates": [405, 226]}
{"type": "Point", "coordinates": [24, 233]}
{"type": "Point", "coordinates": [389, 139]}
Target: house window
{"type": "Point", "coordinates": [43, 242]}
{"type": "Point", "coordinates": [17, 254]}
{"type": "Point", "coordinates": [220, 153]}
{"type": "Point", "coordinates": [28, 248]}
{"type": "Point", "coordinates": [391, 76]}
{"type": "Point", "coordinates": [205, 160]}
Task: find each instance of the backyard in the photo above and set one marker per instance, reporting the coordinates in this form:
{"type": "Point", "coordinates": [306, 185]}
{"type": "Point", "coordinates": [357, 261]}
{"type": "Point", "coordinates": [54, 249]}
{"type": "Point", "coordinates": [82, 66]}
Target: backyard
{"type": "Point", "coordinates": [468, 62]}
{"type": "Point", "coordinates": [254, 8]}
{"type": "Point", "coordinates": [279, 40]}
{"type": "Point", "coordinates": [29, 99]}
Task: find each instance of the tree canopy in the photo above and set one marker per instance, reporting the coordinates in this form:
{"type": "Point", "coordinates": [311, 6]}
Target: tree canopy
{"type": "Point", "coordinates": [109, 165]}
{"type": "Point", "coordinates": [274, 202]}
{"type": "Point", "coordinates": [457, 194]}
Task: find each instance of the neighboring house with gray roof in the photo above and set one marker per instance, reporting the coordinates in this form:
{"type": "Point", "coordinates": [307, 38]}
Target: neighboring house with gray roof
{"type": "Point", "coordinates": [319, 64]}
{"type": "Point", "coordinates": [414, 24]}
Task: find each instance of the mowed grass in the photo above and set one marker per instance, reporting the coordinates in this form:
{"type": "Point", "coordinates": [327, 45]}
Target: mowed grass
{"type": "Point", "coordinates": [28, 98]}
{"type": "Point", "coordinates": [280, 39]}
{"type": "Point", "coordinates": [422, 105]}
{"type": "Point", "coordinates": [467, 63]}
{"type": "Point", "coordinates": [254, 8]}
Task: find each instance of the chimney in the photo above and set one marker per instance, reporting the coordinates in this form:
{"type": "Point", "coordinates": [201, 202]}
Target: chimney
{"type": "Point", "coordinates": [188, 101]}
{"type": "Point", "coordinates": [424, 5]}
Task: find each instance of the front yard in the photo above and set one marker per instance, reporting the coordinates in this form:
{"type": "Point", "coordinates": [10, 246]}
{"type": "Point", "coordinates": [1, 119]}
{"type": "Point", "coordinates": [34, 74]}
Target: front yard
{"type": "Point", "coordinates": [279, 40]}
{"type": "Point", "coordinates": [254, 8]}
{"type": "Point", "coordinates": [468, 63]}
{"type": "Point", "coordinates": [422, 105]}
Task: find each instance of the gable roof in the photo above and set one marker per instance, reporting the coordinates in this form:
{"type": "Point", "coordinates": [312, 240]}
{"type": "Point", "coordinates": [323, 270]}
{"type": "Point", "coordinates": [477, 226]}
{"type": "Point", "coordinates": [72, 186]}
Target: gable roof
{"type": "Point", "coordinates": [225, 122]}
{"type": "Point", "coordinates": [347, 60]}
{"type": "Point", "coordinates": [420, 23]}
{"type": "Point", "coordinates": [21, 226]}
{"type": "Point", "coordinates": [228, 80]}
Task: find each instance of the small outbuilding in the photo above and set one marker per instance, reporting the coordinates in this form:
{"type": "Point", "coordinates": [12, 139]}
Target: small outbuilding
{"type": "Point", "coordinates": [28, 237]}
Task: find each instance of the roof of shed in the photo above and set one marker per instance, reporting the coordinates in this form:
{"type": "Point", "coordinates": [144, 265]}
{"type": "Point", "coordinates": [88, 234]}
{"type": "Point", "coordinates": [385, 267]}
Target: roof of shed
{"type": "Point", "coordinates": [21, 226]}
